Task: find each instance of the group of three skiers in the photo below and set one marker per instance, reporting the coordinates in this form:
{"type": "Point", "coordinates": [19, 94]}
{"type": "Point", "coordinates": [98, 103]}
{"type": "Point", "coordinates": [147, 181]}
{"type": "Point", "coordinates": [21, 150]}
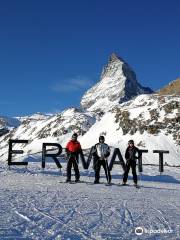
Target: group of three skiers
{"type": "Point", "coordinates": [101, 152]}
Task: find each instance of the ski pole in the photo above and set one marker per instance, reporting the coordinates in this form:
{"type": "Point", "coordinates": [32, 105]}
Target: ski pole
{"type": "Point", "coordinates": [140, 178]}
{"type": "Point", "coordinates": [68, 159]}
{"type": "Point", "coordinates": [89, 175]}
{"type": "Point", "coordinates": [107, 171]}
{"type": "Point", "coordinates": [61, 172]}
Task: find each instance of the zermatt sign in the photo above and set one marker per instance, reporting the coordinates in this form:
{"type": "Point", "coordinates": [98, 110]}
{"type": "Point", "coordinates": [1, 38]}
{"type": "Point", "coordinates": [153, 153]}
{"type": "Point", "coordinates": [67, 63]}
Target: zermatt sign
{"type": "Point", "coordinates": [85, 163]}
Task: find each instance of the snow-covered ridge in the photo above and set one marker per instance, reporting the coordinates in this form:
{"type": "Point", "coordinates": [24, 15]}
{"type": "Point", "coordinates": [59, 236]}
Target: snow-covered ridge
{"type": "Point", "coordinates": [55, 128]}
{"type": "Point", "coordinates": [36, 116]}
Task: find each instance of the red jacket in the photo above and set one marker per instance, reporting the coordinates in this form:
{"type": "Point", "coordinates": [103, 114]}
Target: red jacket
{"type": "Point", "coordinates": [73, 147]}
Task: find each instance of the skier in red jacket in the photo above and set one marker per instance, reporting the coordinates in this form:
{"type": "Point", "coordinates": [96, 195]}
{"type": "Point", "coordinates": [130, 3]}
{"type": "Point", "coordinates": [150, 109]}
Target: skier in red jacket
{"type": "Point", "coordinates": [73, 148]}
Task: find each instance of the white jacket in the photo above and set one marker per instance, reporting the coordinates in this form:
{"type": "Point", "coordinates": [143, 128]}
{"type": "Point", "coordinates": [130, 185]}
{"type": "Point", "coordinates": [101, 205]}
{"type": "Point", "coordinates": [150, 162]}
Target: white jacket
{"type": "Point", "coordinates": [102, 149]}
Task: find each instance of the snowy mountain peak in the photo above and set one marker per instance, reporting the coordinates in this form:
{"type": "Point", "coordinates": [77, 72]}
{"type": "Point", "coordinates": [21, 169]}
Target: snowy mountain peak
{"type": "Point", "coordinates": [117, 84]}
{"type": "Point", "coordinates": [114, 57]}
{"type": "Point", "coordinates": [114, 63]}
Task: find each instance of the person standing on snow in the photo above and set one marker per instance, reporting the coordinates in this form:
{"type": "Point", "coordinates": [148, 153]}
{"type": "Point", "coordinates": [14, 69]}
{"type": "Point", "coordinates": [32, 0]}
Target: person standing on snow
{"type": "Point", "coordinates": [100, 154]}
{"type": "Point", "coordinates": [132, 153]}
{"type": "Point", "coordinates": [73, 148]}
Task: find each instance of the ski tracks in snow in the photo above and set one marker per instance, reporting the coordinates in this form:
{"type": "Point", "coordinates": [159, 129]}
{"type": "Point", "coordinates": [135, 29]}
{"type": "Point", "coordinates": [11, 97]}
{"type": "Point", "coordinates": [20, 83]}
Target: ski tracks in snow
{"type": "Point", "coordinates": [38, 207]}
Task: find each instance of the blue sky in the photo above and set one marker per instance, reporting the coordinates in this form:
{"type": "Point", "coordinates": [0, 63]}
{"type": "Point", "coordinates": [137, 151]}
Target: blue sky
{"type": "Point", "coordinates": [51, 52]}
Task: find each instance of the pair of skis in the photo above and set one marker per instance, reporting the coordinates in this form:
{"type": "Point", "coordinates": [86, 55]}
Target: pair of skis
{"type": "Point", "coordinates": [106, 184]}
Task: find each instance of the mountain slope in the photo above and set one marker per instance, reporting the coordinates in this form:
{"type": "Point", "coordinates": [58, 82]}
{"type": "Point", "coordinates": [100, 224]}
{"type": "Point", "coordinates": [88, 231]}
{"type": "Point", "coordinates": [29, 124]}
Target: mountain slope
{"type": "Point", "coordinates": [40, 128]}
{"type": "Point", "coordinates": [152, 121]}
{"type": "Point", "coordinates": [173, 88]}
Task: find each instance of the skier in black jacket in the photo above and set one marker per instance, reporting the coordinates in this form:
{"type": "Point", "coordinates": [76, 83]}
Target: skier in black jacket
{"type": "Point", "coordinates": [132, 153]}
{"type": "Point", "coordinates": [100, 154]}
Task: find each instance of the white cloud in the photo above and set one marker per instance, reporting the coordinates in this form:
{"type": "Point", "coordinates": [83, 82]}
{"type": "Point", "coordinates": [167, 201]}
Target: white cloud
{"type": "Point", "coordinates": [73, 84]}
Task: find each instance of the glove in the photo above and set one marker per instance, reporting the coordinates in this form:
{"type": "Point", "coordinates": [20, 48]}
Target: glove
{"type": "Point", "coordinates": [127, 161]}
{"type": "Point", "coordinates": [106, 155]}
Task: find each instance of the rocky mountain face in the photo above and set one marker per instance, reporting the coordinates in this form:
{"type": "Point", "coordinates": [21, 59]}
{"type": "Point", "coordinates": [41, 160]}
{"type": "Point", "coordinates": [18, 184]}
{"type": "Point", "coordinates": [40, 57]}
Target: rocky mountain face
{"type": "Point", "coordinates": [7, 124]}
{"type": "Point", "coordinates": [117, 107]}
{"type": "Point", "coordinates": [150, 114]}
{"type": "Point", "coordinates": [117, 84]}
{"type": "Point", "coordinates": [173, 88]}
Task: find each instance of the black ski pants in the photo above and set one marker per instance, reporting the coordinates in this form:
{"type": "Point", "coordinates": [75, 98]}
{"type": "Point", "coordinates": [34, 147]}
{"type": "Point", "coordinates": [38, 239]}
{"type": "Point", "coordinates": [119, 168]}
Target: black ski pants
{"type": "Point", "coordinates": [72, 162]}
{"type": "Point", "coordinates": [130, 164]}
{"type": "Point", "coordinates": [97, 168]}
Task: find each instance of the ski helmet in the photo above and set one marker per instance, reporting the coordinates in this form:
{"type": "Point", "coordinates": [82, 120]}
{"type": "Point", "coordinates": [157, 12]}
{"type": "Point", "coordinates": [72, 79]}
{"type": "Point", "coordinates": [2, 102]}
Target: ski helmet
{"type": "Point", "coordinates": [101, 138]}
{"type": "Point", "coordinates": [131, 142]}
{"type": "Point", "coordinates": [74, 136]}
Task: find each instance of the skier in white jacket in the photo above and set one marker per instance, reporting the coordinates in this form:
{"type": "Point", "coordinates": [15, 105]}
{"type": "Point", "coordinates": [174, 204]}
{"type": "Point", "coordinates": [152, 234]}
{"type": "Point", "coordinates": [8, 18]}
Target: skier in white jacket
{"type": "Point", "coordinates": [100, 154]}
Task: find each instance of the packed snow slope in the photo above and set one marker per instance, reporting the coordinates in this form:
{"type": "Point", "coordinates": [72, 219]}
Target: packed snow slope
{"type": "Point", "coordinates": [37, 205]}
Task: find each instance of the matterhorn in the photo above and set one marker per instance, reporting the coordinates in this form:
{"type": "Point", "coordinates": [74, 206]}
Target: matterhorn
{"type": "Point", "coordinates": [117, 84]}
